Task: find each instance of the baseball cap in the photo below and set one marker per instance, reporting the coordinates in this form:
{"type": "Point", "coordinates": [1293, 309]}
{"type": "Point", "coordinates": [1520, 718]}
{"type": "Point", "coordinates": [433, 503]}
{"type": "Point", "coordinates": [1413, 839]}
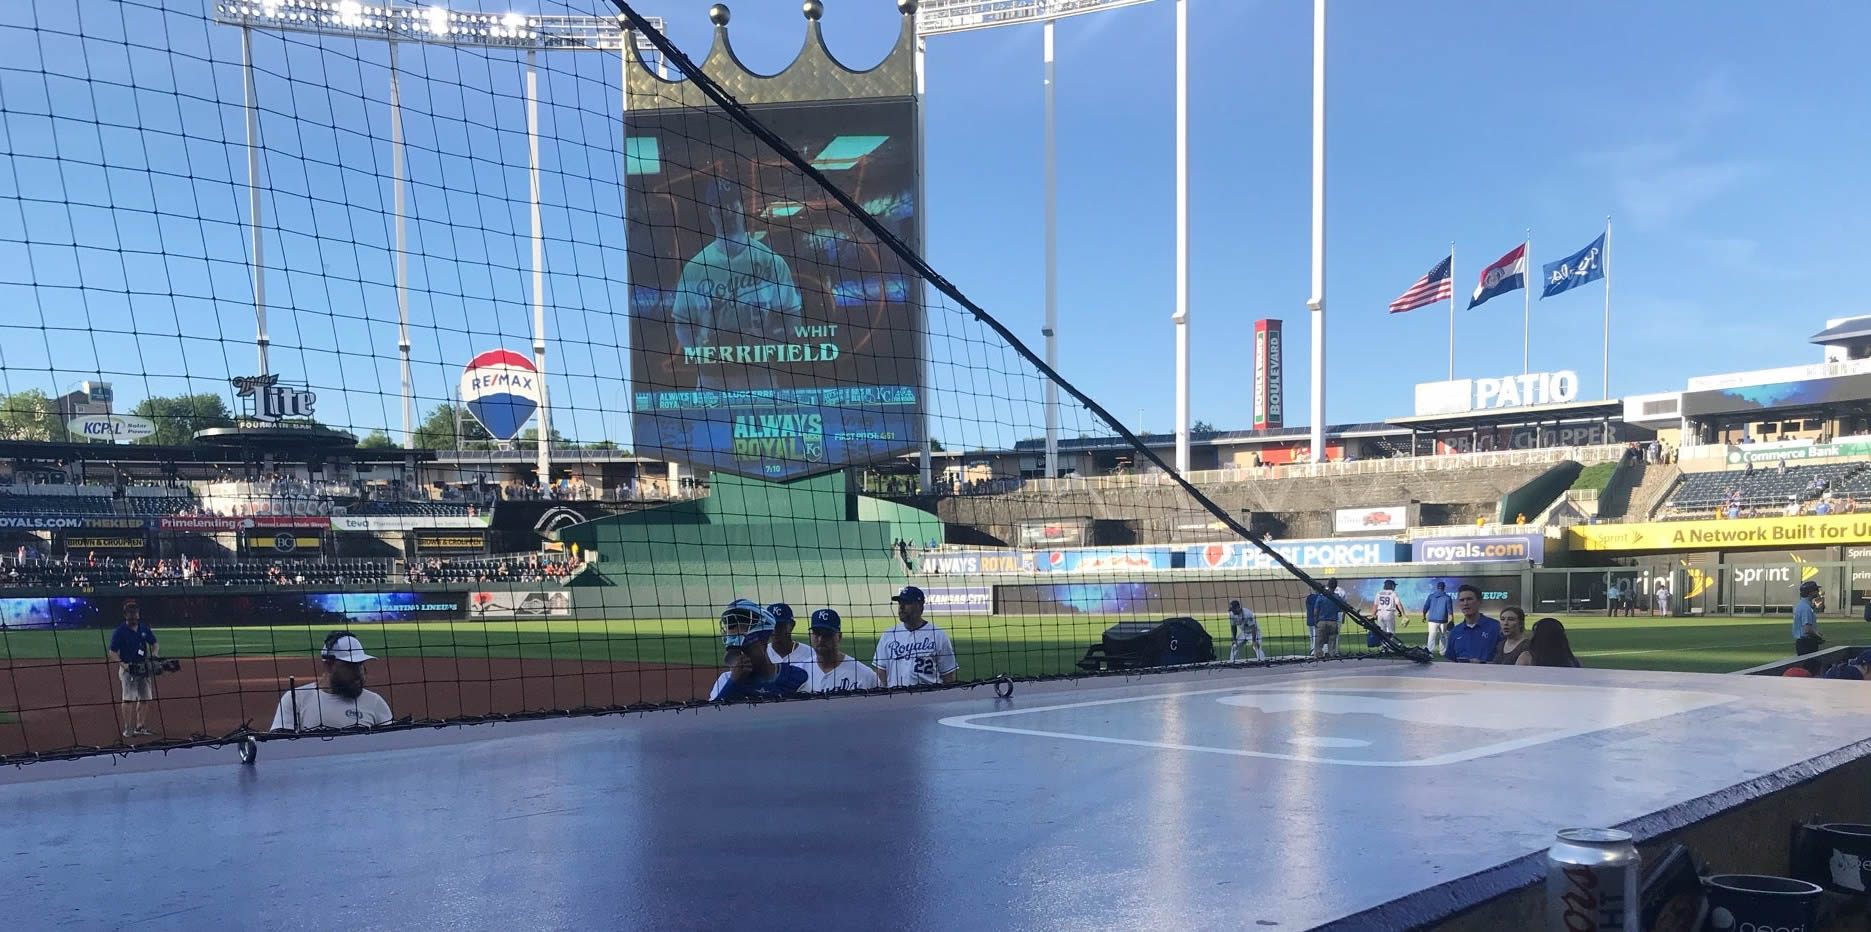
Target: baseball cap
{"type": "Point", "coordinates": [744, 621]}
{"type": "Point", "coordinates": [1797, 672]}
{"type": "Point", "coordinates": [908, 594]}
{"type": "Point", "coordinates": [1808, 586]}
{"type": "Point", "coordinates": [826, 620]}
{"type": "Point", "coordinates": [1863, 659]}
{"type": "Point", "coordinates": [348, 649]}
{"type": "Point", "coordinates": [1843, 671]}
{"type": "Point", "coordinates": [781, 612]}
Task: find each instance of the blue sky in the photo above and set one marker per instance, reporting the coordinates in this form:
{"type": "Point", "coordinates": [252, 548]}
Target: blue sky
{"type": "Point", "coordinates": [1722, 138]}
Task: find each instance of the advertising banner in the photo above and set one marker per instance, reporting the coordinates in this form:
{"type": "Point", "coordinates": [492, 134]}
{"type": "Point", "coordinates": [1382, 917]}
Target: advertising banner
{"type": "Point", "coordinates": [1459, 396]}
{"type": "Point", "coordinates": [1385, 518]}
{"type": "Point", "coordinates": [261, 542]}
{"type": "Point", "coordinates": [112, 427]}
{"type": "Point", "coordinates": [1057, 532]}
{"type": "Point", "coordinates": [959, 600]}
{"type": "Point", "coordinates": [1499, 548]}
{"type": "Point", "coordinates": [1269, 391]}
{"type": "Point", "coordinates": [977, 562]}
{"type": "Point", "coordinates": [1797, 394]}
{"type": "Point", "coordinates": [772, 335]}
{"type": "Point", "coordinates": [470, 541]}
{"type": "Point", "coordinates": [1800, 531]}
{"type": "Point", "coordinates": [502, 604]}
{"type": "Point", "coordinates": [75, 543]}
{"type": "Point", "coordinates": [1346, 551]}
{"type": "Point", "coordinates": [166, 608]}
{"type": "Point", "coordinates": [402, 522]}
{"type": "Point", "coordinates": [1793, 451]}
{"type": "Point", "coordinates": [39, 522]}
{"type": "Point", "coordinates": [1126, 559]}
{"type": "Point", "coordinates": [1207, 600]}
{"type": "Point", "coordinates": [222, 523]}
{"type": "Point", "coordinates": [501, 389]}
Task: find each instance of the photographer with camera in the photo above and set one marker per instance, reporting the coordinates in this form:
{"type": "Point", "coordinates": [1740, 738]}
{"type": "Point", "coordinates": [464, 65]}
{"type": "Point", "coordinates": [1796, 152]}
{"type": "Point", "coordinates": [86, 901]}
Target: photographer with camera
{"type": "Point", "coordinates": [343, 702]}
{"type": "Point", "coordinates": [135, 646]}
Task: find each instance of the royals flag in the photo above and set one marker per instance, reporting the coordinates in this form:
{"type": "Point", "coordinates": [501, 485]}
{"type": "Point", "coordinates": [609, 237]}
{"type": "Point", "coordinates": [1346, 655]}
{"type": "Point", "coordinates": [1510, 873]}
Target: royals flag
{"type": "Point", "coordinates": [1586, 265]}
{"type": "Point", "coordinates": [1431, 288]}
{"type": "Point", "coordinates": [1508, 273]}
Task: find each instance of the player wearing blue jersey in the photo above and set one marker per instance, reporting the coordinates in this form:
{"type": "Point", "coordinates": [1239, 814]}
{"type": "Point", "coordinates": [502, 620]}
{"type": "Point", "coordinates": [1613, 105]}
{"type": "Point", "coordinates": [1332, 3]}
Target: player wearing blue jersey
{"type": "Point", "coordinates": [745, 629]}
{"type": "Point", "coordinates": [736, 294]}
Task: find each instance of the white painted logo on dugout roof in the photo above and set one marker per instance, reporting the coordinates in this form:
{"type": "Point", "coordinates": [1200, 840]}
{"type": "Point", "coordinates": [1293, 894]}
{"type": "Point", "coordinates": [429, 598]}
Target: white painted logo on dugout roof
{"type": "Point", "coordinates": [1357, 721]}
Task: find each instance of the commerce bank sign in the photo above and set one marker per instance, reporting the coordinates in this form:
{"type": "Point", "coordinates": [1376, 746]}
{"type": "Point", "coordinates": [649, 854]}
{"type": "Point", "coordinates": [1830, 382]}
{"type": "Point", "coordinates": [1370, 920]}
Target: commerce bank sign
{"type": "Point", "coordinates": [1801, 531]}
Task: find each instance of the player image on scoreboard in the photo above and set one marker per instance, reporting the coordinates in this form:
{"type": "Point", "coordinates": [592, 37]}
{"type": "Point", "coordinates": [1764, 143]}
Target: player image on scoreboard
{"type": "Point", "coordinates": [772, 334]}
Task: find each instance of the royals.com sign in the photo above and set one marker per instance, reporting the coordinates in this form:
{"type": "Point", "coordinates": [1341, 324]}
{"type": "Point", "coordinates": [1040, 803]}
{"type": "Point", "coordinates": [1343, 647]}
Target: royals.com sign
{"type": "Point", "coordinates": [1502, 548]}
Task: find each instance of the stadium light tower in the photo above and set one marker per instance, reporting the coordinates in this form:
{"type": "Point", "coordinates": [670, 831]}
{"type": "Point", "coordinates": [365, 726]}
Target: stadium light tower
{"type": "Point", "coordinates": [429, 25]}
{"type": "Point", "coordinates": [940, 17]}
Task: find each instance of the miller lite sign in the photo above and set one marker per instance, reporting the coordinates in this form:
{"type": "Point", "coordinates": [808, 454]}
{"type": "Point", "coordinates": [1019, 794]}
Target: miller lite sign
{"type": "Point", "coordinates": [267, 400]}
{"type": "Point", "coordinates": [1269, 400]}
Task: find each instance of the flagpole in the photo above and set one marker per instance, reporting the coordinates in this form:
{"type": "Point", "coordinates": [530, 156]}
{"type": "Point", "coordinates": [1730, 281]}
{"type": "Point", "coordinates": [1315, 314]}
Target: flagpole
{"type": "Point", "coordinates": [1526, 314]}
{"type": "Point", "coordinates": [1452, 281]}
{"type": "Point", "coordinates": [1605, 263]}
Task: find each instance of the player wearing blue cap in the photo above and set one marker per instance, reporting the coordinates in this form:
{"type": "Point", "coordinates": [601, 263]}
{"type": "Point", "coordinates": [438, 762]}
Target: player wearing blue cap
{"type": "Point", "coordinates": [781, 648]}
{"type": "Point", "coordinates": [914, 652]}
{"type": "Point", "coordinates": [831, 669]}
{"type": "Point", "coordinates": [745, 629]}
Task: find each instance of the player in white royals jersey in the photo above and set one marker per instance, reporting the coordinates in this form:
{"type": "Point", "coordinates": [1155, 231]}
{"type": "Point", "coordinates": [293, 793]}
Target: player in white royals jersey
{"type": "Point", "coordinates": [1246, 630]}
{"type": "Point", "coordinates": [831, 669]}
{"type": "Point", "coordinates": [1388, 607]}
{"type": "Point", "coordinates": [914, 652]}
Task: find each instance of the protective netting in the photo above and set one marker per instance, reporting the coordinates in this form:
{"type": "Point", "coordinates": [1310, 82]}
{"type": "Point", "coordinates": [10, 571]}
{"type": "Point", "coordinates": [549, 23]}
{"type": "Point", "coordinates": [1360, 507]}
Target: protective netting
{"type": "Point", "coordinates": [291, 290]}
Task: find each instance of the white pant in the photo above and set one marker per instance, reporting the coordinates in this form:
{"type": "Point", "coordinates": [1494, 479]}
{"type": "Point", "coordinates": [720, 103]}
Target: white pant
{"type": "Point", "coordinates": [1387, 621]}
{"type": "Point", "coordinates": [1249, 634]}
{"type": "Point", "coordinates": [1438, 636]}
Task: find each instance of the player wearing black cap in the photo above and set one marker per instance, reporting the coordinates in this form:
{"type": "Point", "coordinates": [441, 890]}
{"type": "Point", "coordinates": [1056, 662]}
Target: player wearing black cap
{"type": "Point", "coordinates": [914, 652]}
{"type": "Point", "coordinates": [1806, 637]}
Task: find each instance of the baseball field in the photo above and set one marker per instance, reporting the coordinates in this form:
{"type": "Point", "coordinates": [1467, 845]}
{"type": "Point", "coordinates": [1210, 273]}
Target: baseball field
{"type": "Point", "coordinates": [58, 688]}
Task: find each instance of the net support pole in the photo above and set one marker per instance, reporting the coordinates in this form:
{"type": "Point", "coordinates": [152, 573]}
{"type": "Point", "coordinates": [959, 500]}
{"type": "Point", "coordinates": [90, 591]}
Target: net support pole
{"type": "Point", "coordinates": [1182, 236]}
{"type": "Point", "coordinates": [253, 196]}
{"type": "Point", "coordinates": [1316, 303]}
{"type": "Point", "coordinates": [925, 449]}
{"type": "Point", "coordinates": [1051, 331]}
{"type": "Point", "coordinates": [539, 269]}
{"type": "Point", "coordinates": [1452, 281]}
{"type": "Point", "coordinates": [398, 168]}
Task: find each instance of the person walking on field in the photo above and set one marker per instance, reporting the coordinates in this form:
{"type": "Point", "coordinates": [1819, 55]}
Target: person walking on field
{"type": "Point", "coordinates": [1324, 614]}
{"type": "Point", "coordinates": [1806, 637]}
{"type": "Point", "coordinates": [1388, 607]}
{"type": "Point", "coordinates": [135, 646]}
{"type": "Point", "coordinates": [1437, 610]}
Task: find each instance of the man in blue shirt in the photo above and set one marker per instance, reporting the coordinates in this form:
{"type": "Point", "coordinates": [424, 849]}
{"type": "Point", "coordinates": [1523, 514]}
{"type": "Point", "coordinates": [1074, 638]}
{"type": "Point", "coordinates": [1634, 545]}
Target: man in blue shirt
{"type": "Point", "coordinates": [752, 674]}
{"type": "Point", "coordinates": [1437, 610]}
{"type": "Point", "coordinates": [1476, 637]}
{"type": "Point", "coordinates": [1323, 615]}
{"type": "Point", "coordinates": [1806, 637]}
{"type": "Point", "coordinates": [134, 643]}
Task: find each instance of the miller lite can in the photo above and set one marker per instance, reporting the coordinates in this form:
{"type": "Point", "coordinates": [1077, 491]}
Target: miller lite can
{"type": "Point", "coordinates": [1591, 882]}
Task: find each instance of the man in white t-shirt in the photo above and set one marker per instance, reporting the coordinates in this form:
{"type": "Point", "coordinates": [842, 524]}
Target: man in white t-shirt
{"type": "Point", "coordinates": [343, 702]}
{"type": "Point", "coordinates": [914, 652]}
{"type": "Point", "coordinates": [781, 648]}
{"type": "Point", "coordinates": [831, 669]}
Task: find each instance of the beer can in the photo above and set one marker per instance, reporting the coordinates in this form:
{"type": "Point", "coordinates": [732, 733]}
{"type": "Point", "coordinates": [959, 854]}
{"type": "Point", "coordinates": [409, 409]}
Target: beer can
{"type": "Point", "coordinates": [1591, 881]}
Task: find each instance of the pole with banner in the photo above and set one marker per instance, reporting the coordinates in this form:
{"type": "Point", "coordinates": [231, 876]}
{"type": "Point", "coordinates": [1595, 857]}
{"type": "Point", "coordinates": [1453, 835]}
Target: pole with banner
{"type": "Point", "coordinates": [1452, 281]}
{"type": "Point", "coordinates": [1605, 262]}
{"type": "Point", "coordinates": [1526, 319]}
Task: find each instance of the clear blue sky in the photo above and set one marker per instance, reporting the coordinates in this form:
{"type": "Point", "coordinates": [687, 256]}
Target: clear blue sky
{"type": "Point", "coordinates": [1725, 139]}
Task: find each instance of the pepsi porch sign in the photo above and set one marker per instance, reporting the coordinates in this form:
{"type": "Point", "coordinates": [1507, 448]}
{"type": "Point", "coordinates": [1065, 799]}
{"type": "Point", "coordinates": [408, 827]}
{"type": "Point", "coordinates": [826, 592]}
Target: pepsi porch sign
{"type": "Point", "coordinates": [501, 389]}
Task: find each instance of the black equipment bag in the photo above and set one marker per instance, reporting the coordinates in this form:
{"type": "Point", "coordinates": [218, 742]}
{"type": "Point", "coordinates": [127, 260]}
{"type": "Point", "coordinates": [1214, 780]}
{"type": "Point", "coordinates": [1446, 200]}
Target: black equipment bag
{"type": "Point", "coordinates": [1131, 645]}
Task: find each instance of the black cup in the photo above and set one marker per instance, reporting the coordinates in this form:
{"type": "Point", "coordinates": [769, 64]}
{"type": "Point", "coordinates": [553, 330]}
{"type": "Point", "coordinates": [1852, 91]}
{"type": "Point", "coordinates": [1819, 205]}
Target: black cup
{"type": "Point", "coordinates": [1840, 857]}
{"type": "Point", "coordinates": [1750, 902]}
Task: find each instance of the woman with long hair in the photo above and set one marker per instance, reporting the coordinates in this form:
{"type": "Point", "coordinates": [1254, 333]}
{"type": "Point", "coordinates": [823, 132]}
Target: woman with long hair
{"type": "Point", "coordinates": [1514, 640]}
{"type": "Point", "coordinates": [1549, 646]}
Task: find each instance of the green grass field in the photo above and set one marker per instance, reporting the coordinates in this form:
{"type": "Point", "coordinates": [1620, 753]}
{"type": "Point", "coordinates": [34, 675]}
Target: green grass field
{"type": "Point", "coordinates": [985, 645]}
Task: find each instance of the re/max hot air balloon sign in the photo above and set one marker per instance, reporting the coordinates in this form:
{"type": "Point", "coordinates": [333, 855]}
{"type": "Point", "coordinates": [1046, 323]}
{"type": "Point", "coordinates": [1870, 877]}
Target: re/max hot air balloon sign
{"type": "Point", "coordinates": [501, 389]}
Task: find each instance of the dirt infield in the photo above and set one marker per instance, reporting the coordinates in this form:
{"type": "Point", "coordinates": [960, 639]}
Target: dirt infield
{"type": "Point", "coordinates": [57, 705]}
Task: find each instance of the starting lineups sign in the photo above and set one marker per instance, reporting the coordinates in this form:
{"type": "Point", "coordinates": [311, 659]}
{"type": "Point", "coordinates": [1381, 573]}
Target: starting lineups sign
{"type": "Point", "coordinates": [1802, 531]}
{"type": "Point", "coordinates": [1269, 394]}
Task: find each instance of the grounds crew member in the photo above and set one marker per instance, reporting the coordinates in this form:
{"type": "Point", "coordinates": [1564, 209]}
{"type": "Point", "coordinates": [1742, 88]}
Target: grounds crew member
{"type": "Point", "coordinates": [1324, 615]}
{"type": "Point", "coordinates": [745, 630]}
{"type": "Point", "coordinates": [134, 643]}
{"type": "Point", "coordinates": [342, 702]}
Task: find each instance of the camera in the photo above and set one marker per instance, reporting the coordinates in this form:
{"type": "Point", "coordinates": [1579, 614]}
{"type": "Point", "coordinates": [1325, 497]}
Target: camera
{"type": "Point", "coordinates": [153, 667]}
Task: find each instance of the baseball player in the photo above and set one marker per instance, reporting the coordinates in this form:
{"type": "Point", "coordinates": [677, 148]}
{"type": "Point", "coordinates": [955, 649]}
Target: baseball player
{"type": "Point", "coordinates": [781, 648]}
{"type": "Point", "coordinates": [1388, 607]}
{"type": "Point", "coordinates": [914, 652]}
{"type": "Point", "coordinates": [1246, 629]}
{"type": "Point", "coordinates": [745, 629]}
{"type": "Point", "coordinates": [831, 669]}
{"type": "Point", "coordinates": [735, 291]}
{"type": "Point", "coordinates": [343, 702]}
{"type": "Point", "coordinates": [1437, 610]}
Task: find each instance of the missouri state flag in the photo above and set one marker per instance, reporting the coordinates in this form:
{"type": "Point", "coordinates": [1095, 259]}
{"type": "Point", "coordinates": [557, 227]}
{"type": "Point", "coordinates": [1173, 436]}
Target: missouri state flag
{"type": "Point", "coordinates": [1508, 273]}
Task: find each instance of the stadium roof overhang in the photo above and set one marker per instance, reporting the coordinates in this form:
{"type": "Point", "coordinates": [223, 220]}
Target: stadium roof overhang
{"type": "Point", "coordinates": [1514, 417]}
{"type": "Point", "coordinates": [158, 453]}
{"type": "Point", "coordinates": [1856, 330]}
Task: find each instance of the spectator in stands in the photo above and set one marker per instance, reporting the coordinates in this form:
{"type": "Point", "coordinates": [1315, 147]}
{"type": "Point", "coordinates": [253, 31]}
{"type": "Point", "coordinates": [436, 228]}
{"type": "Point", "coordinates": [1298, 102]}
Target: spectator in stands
{"type": "Point", "coordinates": [1437, 610]}
{"type": "Point", "coordinates": [1515, 640]}
{"type": "Point", "coordinates": [831, 669]}
{"type": "Point", "coordinates": [1324, 615]}
{"type": "Point", "coordinates": [135, 646]}
{"type": "Point", "coordinates": [342, 702]}
{"type": "Point", "coordinates": [1857, 667]}
{"type": "Point", "coordinates": [1474, 639]}
{"type": "Point", "coordinates": [914, 652]}
{"type": "Point", "coordinates": [1549, 646]}
{"type": "Point", "coordinates": [751, 674]}
{"type": "Point", "coordinates": [781, 648]}
{"type": "Point", "coordinates": [1806, 637]}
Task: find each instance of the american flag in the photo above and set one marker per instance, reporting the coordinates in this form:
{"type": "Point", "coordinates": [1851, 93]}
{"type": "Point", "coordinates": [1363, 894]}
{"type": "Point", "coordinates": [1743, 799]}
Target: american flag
{"type": "Point", "coordinates": [1431, 288]}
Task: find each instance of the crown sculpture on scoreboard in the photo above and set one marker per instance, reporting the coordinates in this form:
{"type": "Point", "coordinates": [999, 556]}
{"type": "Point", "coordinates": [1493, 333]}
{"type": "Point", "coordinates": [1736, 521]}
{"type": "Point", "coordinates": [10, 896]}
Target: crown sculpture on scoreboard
{"type": "Point", "coordinates": [813, 75]}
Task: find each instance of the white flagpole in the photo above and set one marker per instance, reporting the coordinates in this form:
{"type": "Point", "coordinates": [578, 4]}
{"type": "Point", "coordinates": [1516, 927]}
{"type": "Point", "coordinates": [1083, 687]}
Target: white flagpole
{"type": "Point", "coordinates": [1605, 261]}
{"type": "Point", "coordinates": [1526, 315]}
{"type": "Point", "coordinates": [1452, 310]}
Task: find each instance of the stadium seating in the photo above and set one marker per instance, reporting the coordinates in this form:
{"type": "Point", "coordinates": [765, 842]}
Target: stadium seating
{"type": "Point", "coordinates": [413, 509]}
{"type": "Point", "coordinates": [1768, 489]}
{"type": "Point", "coordinates": [58, 574]}
{"type": "Point", "coordinates": [55, 504]}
